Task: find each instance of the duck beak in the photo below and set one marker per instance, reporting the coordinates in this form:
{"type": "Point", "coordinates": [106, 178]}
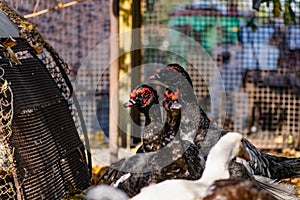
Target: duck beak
{"type": "Point", "coordinates": [176, 106]}
{"type": "Point", "coordinates": [128, 104]}
{"type": "Point", "coordinates": [154, 77]}
{"type": "Point", "coordinates": [242, 153]}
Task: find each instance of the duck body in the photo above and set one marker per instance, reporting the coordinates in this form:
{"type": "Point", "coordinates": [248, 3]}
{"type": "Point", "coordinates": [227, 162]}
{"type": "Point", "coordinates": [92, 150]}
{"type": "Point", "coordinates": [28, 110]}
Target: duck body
{"type": "Point", "coordinates": [216, 182]}
{"type": "Point", "coordinates": [208, 133]}
{"type": "Point", "coordinates": [175, 158]}
{"type": "Point", "coordinates": [105, 192]}
{"type": "Point", "coordinates": [172, 189]}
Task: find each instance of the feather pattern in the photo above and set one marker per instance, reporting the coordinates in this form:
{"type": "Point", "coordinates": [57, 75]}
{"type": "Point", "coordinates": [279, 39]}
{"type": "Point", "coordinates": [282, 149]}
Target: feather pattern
{"type": "Point", "coordinates": [275, 167]}
{"type": "Point", "coordinates": [278, 189]}
{"type": "Point", "coordinates": [175, 159]}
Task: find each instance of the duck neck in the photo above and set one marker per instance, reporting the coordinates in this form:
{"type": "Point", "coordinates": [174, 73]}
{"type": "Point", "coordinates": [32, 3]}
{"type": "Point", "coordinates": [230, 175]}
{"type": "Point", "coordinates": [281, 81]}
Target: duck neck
{"type": "Point", "coordinates": [216, 166]}
{"type": "Point", "coordinates": [171, 126]}
{"type": "Point", "coordinates": [188, 97]}
{"type": "Point", "coordinates": [155, 113]}
{"type": "Point", "coordinates": [152, 114]}
{"type": "Point", "coordinates": [147, 118]}
{"type": "Point", "coordinates": [173, 121]}
{"type": "Point", "coordinates": [205, 121]}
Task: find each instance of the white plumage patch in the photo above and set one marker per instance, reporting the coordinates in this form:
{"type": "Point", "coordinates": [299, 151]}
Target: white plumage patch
{"type": "Point", "coordinates": [105, 192]}
{"type": "Point", "coordinates": [121, 179]}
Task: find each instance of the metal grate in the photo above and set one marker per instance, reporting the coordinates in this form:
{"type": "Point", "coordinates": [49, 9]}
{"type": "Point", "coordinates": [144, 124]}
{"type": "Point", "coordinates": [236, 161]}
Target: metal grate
{"type": "Point", "coordinates": [44, 146]}
{"type": "Point", "coordinates": [48, 152]}
{"type": "Point", "coordinates": [75, 32]}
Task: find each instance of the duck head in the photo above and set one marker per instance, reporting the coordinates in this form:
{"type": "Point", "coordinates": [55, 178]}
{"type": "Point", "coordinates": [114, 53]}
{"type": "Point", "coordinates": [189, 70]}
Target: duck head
{"type": "Point", "coordinates": [142, 97]}
{"type": "Point", "coordinates": [175, 76]}
{"type": "Point", "coordinates": [172, 75]}
{"type": "Point", "coordinates": [170, 101]}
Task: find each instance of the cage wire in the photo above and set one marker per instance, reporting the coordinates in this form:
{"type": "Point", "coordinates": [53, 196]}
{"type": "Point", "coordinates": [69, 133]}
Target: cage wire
{"type": "Point", "coordinates": [220, 27]}
{"type": "Point", "coordinates": [79, 28]}
{"type": "Point", "coordinates": [44, 147]}
{"type": "Point", "coordinates": [259, 68]}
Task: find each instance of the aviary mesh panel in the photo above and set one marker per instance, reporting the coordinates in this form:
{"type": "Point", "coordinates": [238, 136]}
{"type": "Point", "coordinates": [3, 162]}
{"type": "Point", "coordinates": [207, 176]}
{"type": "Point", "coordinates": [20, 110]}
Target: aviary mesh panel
{"type": "Point", "coordinates": [49, 156]}
{"type": "Point", "coordinates": [256, 54]}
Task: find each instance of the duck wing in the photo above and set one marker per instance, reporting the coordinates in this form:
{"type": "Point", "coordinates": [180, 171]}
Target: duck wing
{"type": "Point", "coordinates": [279, 190]}
{"type": "Point", "coordinates": [140, 170]}
{"type": "Point", "coordinates": [275, 167]}
{"type": "Point", "coordinates": [133, 173]}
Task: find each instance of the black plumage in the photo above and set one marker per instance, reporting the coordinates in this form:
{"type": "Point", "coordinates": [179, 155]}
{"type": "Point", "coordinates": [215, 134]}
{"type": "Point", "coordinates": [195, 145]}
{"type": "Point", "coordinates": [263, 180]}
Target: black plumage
{"type": "Point", "coordinates": [195, 125]}
{"type": "Point", "coordinates": [145, 99]}
{"type": "Point", "coordinates": [208, 133]}
{"type": "Point", "coordinates": [174, 159]}
{"type": "Point", "coordinates": [216, 182]}
{"type": "Point", "coordinates": [185, 154]}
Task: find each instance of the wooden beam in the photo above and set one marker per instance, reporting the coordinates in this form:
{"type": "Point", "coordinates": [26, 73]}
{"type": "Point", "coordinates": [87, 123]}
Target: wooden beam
{"type": "Point", "coordinates": [58, 6]}
{"type": "Point", "coordinates": [114, 81]}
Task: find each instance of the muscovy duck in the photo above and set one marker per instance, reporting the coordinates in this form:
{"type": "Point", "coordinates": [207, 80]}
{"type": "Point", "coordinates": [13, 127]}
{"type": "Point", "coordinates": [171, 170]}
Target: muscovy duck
{"type": "Point", "coordinates": [209, 133]}
{"type": "Point", "coordinates": [171, 161]}
{"type": "Point", "coordinates": [145, 99]}
{"type": "Point", "coordinates": [175, 76]}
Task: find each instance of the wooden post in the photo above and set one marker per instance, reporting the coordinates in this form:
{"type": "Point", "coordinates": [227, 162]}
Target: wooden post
{"type": "Point", "coordinates": [125, 26]}
{"type": "Point", "coordinates": [136, 61]}
{"type": "Point", "coordinates": [114, 79]}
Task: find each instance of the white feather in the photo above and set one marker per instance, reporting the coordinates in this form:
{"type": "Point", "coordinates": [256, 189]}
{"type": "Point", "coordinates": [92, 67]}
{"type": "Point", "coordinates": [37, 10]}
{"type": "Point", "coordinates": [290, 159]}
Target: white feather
{"type": "Point", "coordinates": [121, 179]}
{"type": "Point", "coordinates": [105, 192]}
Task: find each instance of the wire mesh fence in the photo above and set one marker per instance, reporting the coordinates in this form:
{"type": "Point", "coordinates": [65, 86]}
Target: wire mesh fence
{"type": "Point", "coordinates": [256, 54]}
{"type": "Point", "coordinates": [225, 29]}
{"type": "Point", "coordinates": [74, 32]}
